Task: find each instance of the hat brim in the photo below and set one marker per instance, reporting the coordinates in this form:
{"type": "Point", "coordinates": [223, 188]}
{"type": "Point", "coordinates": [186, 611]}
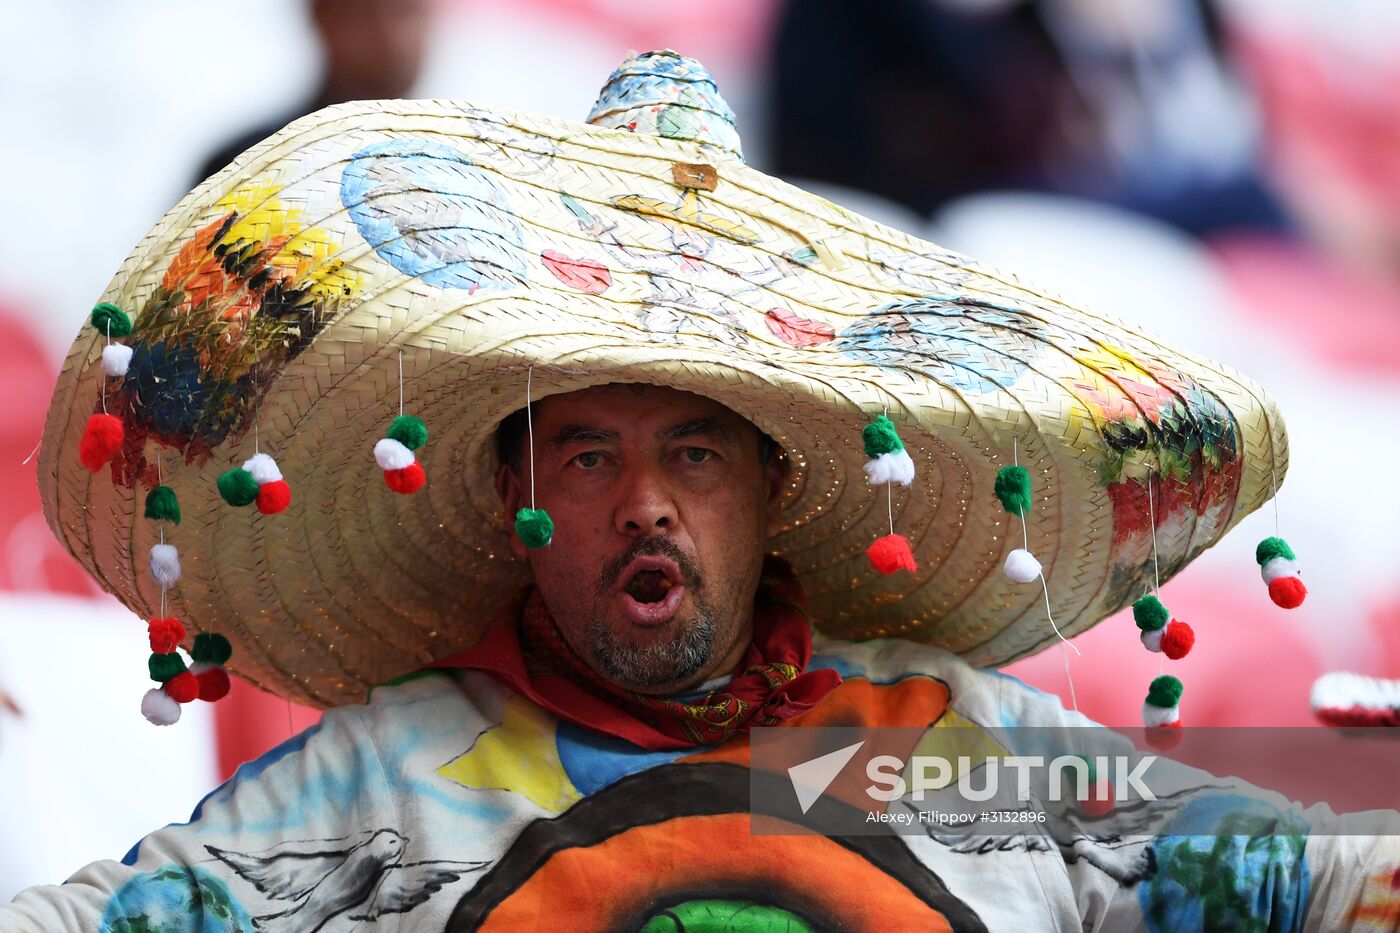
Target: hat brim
{"type": "Point", "coordinates": [474, 246]}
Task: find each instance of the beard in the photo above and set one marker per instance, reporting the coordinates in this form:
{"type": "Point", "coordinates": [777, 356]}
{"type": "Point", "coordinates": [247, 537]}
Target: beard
{"type": "Point", "coordinates": [678, 657]}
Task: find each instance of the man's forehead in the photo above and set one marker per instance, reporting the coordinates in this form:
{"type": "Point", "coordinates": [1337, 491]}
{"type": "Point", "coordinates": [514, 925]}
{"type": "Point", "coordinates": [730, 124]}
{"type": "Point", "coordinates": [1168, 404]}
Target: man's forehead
{"type": "Point", "coordinates": [618, 406]}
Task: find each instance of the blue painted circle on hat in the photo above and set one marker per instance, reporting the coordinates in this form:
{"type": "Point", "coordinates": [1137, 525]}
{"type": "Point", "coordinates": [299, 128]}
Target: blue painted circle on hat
{"type": "Point", "coordinates": [432, 213]}
{"type": "Point", "coordinates": [960, 343]}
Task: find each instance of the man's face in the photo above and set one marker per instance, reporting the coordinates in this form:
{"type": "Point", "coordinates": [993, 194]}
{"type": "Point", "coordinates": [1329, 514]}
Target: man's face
{"type": "Point", "coordinates": [661, 503]}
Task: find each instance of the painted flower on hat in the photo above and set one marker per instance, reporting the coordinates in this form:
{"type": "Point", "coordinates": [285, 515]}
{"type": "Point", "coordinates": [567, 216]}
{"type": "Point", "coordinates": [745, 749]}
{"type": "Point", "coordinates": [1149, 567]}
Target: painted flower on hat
{"type": "Point", "coordinates": [1156, 427]}
{"type": "Point", "coordinates": [238, 301]}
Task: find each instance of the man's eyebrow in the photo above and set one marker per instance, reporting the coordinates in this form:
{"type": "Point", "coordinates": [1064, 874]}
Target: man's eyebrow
{"type": "Point", "coordinates": [700, 427]}
{"type": "Point", "coordinates": [580, 433]}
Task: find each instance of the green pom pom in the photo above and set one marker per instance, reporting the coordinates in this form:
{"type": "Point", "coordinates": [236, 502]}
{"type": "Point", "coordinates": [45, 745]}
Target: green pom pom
{"type": "Point", "coordinates": [1165, 691]}
{"type": "Point", "coordinates": [238, 487]}
{"type": "Point", "coordinates": [409, 431]}
{"type": "Point", "coordinates": [109, 319]}
{"type": "Point", "coordinates": [162, 506]}
{"type": "Point", "coordinates": [1270, 548]}
{"type": "Point", "coordinates": [881, 438]}
{"type": "Point", "coordinates": [210, 648]}
{"type": "Point", "coordinates": [535, 527]}
{"type": "Point", "coordinates": [1150, 614]}
{"type": "Point", "coordinates": [1013, 488]}
{"type": "Point", "coordinates": [165, 666]}
{"type": "Point", "coordinates": [1093, 772]}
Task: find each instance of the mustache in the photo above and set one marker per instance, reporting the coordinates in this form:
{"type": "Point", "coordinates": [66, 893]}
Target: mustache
{"type": "Point", "coordinates": [650, 547]}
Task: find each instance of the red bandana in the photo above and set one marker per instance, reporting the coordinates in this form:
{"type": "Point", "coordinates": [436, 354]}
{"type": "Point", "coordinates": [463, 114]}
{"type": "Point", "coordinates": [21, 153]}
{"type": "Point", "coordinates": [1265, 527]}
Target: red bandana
{"type": "Point", "coordinates": [768, 687]}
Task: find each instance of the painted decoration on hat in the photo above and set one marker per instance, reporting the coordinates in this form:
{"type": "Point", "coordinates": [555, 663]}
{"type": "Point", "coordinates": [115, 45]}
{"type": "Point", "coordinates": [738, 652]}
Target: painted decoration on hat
{"type": "Point", "coordinates": [683, 289]}
{"type": "Point", "coordinates": [798, 331]}
{"type": "Point", "coordinates": [431, 212]}
{"type": "Point", "coordinates": [583, 274]}
{"type": "Point", "coordinates": [1149, 418]}
{"type": "Point", "coordinates": [237, 303]}
{"type": "Point", "coordinates": [663, 93]}
{"type": "Point", "coordinates": [958, 341]}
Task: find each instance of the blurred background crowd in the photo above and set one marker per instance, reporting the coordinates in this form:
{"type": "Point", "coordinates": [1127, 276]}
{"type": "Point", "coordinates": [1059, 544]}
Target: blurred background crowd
{"type": "Point", "coordinates": [1224, 172]}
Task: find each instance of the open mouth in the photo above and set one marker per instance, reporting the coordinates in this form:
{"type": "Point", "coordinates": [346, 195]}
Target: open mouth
{"type": "Point", "coordinates": [652, 589]}
{"type": "Point", "coordinates": [648, 586]}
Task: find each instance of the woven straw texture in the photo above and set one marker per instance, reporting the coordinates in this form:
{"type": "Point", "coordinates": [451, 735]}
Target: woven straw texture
{"type": "Point", "coordinates": [271, 305]}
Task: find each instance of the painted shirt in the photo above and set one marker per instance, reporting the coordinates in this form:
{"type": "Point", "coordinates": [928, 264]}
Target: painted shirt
{"type": "Point", "coordinates": [448, 803]}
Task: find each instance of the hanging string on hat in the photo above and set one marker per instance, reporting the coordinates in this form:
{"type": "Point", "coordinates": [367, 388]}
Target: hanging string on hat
{"type": "Point", "coordinates": [259, 480]}
{"type": "Point", "coordinates": [888, 463]}
{"type": "Point", "coordinates": [1158, 631]}
{"type": "Point", "coordinates": [204, 679]}
{"type": "Point", "coordinates": [1156, 569]}
{"type": "Point", "coordinates": [1013, 489]}
{"type": "Point", "coordinates": [104, 433]}
{"type": "Point", "coordinates": [395, 452]}
{"type": "Point", "coordinates": [1161, 633]}
{"type": "Point", "coordinates": [1278, 565]}
{"type": "Point", "coordinates": [533, 525]}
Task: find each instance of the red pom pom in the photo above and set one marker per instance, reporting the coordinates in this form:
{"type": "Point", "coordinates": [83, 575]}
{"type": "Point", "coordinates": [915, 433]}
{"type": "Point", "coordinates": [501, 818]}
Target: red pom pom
{"type": "Point", "coordinates": [183, 687]}
{"type": "Point", "coordinates": [1096, 805]}
{"type": "Point", "coordinates": [408, 480]}
{"type": "Point", "coordinates": [891, 553]}
{"type": "Point", "coordinates": [1177, 640]}
{"type": "Point", "coordinates": [274, 496]}
{"type": "Point", "coordinates": [1164, 738]}
{"type": "Point", "coordinates": [166, 635]}
{"type": "Point", "coordinates": [101, 440]}
{"type": "Point", "coordinates": [213, 684]}
{"type": "Point", "coordinates": [1287, 592]}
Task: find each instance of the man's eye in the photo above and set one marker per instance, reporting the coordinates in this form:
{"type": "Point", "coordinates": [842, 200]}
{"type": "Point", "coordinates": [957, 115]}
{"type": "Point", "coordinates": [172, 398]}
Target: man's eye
{"type": "Point", "coordinates": [697, 454]}
{"type": "Point", "coordinates": [589, 460]}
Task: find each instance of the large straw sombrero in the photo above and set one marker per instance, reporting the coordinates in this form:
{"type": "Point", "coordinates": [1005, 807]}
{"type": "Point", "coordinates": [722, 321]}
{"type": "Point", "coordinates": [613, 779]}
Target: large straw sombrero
{"type": "Point", "coordinates": [273, 306]}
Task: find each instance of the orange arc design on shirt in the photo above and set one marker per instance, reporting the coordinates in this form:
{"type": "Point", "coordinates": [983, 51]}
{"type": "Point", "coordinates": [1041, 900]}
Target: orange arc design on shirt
{"type": "Point", "coordinates": [639, 867]}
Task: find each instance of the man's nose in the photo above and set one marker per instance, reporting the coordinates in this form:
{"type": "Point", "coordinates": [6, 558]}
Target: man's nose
{"type": "Point", "coordinates": [644, 505]}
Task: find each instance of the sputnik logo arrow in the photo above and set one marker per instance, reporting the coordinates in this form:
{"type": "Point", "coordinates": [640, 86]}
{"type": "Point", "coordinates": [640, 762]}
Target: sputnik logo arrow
{"type": "Point", "coordinates": [811, 778]}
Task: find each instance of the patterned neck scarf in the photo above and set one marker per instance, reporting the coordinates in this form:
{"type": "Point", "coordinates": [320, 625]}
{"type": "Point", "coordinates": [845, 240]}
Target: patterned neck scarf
{"type": "Point", "coordinates": [769, 686]}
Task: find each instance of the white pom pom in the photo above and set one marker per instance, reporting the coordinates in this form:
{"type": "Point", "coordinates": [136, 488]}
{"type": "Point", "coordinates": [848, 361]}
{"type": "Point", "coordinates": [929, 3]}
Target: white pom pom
{"type": "Point", "coordinates": [116, 357]}
{"type": "Point", "coordinates": [1279, 567]}
{"type": "Point", "coordinates": [165, 564]}
{"type": "Point", "coordinates": [1159, 715]}
{"type": "Point", "coordinates": [1340, 690]}
{"type": "Point", "coordinates": [1021, 566]}
{"type": "Point", "coordinates": [391, 455]}
{"type": "Point", "coordinates": [263, 468]}
{"type": "Point", "coordinates": [159, 708]}
{"type": "Point", "coordinates": [890, 468]}
{"type": "Point", "coordinates": [1152, 638]}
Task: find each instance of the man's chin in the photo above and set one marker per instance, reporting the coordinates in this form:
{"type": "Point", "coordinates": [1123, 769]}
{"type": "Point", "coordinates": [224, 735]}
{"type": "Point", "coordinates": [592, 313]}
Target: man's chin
{"type": "Point", "coordinates": [654, 658]}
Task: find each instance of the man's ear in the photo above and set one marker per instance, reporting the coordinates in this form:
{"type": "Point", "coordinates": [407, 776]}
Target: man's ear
{"type": "Point", "coordinates": [509, 489]}
{"type": "Point", "coordinates": [776, 473]}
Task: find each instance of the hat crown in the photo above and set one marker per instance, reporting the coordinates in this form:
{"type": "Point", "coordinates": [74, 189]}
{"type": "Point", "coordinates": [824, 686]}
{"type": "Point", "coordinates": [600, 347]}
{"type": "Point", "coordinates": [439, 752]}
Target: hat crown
{"type": "Point", "coordinates": [664, 93]}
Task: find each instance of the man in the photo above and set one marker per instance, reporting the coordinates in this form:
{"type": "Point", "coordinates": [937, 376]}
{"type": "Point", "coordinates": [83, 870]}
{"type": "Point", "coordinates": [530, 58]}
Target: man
{"type": "Point", "coordinates": [656, 360]}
